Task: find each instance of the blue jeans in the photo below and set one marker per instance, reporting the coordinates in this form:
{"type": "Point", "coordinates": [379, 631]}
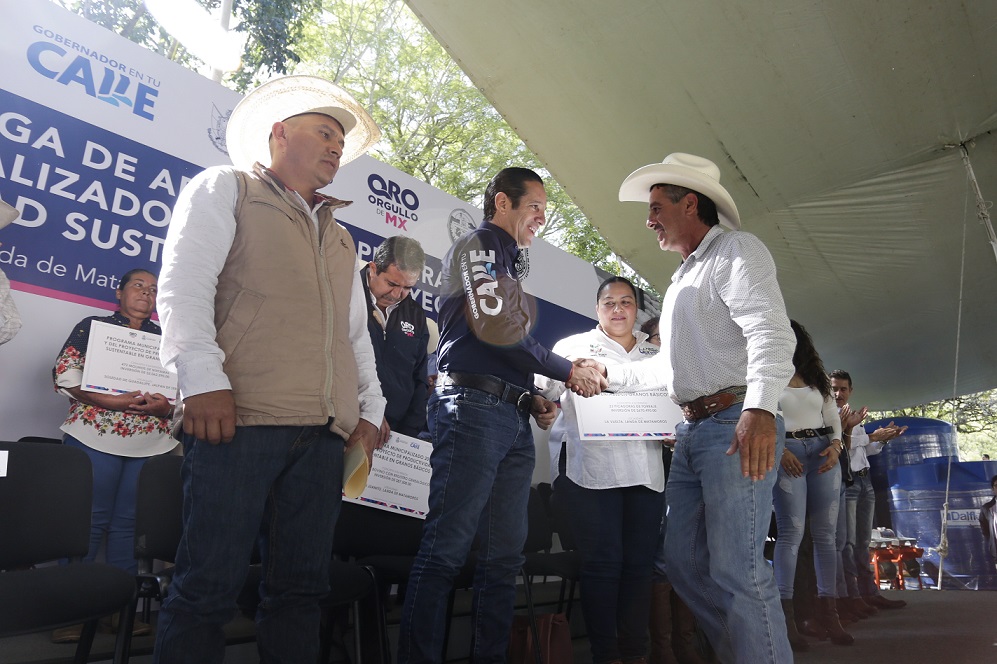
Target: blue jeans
{"type": "Point", "coordinates": [278, 486]}
{"type": "Point", "coordinates": [617, 534]}
{"type": "Point", "coordinates": [860, 504]}
{"type": "Point", "coordinates": [115, 481]}
{"type": "Point", "coordinates": [815, 494]}
{"type": "Point", "coordinates": [482, 463]}
{"type": "Point", "coordinates": [717, 524]}
{"type": "Point", "coordinates": [840, 537]}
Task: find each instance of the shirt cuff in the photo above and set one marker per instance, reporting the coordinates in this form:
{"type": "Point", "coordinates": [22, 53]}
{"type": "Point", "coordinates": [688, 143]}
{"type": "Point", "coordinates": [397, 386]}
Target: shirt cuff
{"type": "Point", "coordinates": [201, 375]}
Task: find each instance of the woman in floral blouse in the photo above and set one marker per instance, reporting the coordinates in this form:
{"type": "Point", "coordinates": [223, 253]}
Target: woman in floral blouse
{"type": "Point", "coordinates": [117, 431]}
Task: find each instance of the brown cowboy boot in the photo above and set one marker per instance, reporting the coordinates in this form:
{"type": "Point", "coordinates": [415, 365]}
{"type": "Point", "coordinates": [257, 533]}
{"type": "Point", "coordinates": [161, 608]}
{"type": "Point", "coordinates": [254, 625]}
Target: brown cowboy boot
{"type": "Point", "coordinates": [796, 641]}
{"type": "Point", "coordinates": [684, 641]}
{"type": "Point", "coordinates": [661, 624]}
{"type": "Point", "coordinates": [827, 614]}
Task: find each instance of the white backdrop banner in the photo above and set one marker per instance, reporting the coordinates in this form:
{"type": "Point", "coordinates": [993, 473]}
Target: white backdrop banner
{"type": "Point", "coordinates": [97, 137]}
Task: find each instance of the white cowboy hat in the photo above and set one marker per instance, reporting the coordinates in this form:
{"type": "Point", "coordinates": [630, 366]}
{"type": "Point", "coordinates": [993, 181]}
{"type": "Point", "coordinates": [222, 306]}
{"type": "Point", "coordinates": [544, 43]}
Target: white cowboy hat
{"type": "Point", "coordinates": [8, 214]}
{"type": "Point", "coordinates": [248, 132]}
{"type": "Point", "coordinates": [686, 170]}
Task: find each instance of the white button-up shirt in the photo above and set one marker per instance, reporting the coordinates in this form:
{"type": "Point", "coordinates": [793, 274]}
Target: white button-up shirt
{"type": "Point", "coordinates": [601, 464]}
{"type": "Point", "coordinates": [862, 447]}
{"type": "Point", "coordinates": [723, 323]}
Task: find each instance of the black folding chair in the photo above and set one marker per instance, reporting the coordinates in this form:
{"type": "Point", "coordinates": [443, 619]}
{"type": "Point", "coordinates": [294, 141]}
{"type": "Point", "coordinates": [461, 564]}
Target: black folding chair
{"type": "Point", "coordinates": [388, 542]}
{"type": "Point", "coordinates": [46, 496]}
{"type": "Point", "coordinates": [159, 526]}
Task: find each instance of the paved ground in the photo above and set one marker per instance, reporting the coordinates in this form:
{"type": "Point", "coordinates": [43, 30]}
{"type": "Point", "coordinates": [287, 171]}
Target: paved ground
{"type": "Point", "coordinates": [949, 627]}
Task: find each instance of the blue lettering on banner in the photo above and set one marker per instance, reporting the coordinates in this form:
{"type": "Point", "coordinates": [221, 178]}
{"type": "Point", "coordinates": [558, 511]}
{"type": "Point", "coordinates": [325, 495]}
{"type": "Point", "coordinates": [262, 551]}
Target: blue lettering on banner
{"type": "Point", "coordinates": [78, 67]}
{"type": "Point", "coordinates": [93, 204]}
{"type": "Point", "coordinates": [398, 205]}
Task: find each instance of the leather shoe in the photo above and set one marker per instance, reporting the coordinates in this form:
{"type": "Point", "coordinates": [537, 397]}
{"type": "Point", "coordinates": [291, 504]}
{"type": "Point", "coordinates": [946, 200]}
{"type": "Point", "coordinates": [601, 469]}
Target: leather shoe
{"type": "Point", "coordinates": [69, 634]}
{"type": "Point", "coordinates": [881, 602]}
{"type": "Point", "coordinates": [109, 625]}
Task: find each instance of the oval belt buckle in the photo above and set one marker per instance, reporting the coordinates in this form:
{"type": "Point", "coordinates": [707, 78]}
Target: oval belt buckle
{"type": "Point", "coordinates": [524, 402]}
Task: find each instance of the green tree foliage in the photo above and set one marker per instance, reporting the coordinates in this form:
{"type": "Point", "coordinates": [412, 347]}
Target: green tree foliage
{"type": "Point", "coordinates": [130, 19]}
{"type": "Point", "coordinates": [436, 125]}
{"type": "Point", "coordinates": [273, 28]}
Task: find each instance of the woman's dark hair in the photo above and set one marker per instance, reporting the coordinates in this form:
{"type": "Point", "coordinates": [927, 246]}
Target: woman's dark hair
{"type": "Point", "coordinates": [617, 280]}
{"type": "Point", "coordinates": [648, 326]}
{"type": "Point", "coordinates": [807, 361]}
{"type": "Point", "coordinates": [511, 182]}
{"type": "Point", "coordinates": [130, 274]}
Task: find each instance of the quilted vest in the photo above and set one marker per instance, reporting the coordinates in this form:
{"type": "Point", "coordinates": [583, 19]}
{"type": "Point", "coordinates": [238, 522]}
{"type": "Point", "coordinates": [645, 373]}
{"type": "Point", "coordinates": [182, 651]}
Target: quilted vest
{"type": "Point", "coordinates": [282, 311]}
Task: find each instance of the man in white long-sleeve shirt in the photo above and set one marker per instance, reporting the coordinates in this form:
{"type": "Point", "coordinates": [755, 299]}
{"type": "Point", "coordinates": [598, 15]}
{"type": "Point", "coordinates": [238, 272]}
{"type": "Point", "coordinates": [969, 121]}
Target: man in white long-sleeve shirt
{"type": "Point", "coordinates": [264, 319]}
{"type": "Point", "coordinates": [860, 503]}
{"type": "Point", "coordinates": [726, 355]}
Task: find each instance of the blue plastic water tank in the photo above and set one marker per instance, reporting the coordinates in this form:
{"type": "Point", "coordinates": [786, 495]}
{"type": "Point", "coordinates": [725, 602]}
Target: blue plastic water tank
{"type": "Point", "coordinates": [917, 503]}
{"type": "Point", "coordinates": [925, 438]}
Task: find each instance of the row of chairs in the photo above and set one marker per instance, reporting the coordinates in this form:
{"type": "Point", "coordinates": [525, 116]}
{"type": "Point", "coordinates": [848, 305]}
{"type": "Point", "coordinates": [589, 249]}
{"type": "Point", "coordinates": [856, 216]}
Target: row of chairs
{"type": "Point", "coordinates": [374, 550]}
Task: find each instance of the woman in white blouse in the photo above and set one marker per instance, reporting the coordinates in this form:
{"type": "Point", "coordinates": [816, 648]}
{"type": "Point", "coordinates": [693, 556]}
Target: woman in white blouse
{"type": "Point", "coordinates": [611, 492]}
{"type": "Point", "coordinates": [809, 483]}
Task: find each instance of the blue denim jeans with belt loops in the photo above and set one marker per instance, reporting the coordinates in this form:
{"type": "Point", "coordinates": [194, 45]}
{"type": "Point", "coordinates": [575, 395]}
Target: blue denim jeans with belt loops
{"type": "Point", "coordinates": [815, 494]}
{"type": "Point", "coordinates": [717, 524]}
{"type": "Point", "coordinates": [280, 486]}
{"type": "Point", "coordinates": [860, 505]}
{"type": "Point", "coordinates": [482, 461]}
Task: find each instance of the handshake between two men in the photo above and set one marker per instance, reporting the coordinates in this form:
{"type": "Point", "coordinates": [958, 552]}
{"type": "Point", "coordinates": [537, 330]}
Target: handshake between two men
{"type": "Point", "coordinates": [587, 379]}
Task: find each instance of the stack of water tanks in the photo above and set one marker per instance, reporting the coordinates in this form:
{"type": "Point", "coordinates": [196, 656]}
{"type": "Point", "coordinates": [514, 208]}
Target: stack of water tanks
{"type": "Point", "coordinates": [912, 471]}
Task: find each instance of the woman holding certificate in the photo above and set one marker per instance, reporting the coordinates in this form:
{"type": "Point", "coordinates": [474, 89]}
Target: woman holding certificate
{"type": "Point", "coordinates": [117, 431]}
{"type": "Point", "coordinates": [809, 483]}
{"type": "Point", "coordinates": [611, 491]}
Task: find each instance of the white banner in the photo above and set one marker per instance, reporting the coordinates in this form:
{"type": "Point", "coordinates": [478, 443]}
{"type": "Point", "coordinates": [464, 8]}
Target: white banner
{"type": "Point", "coordinates": [98, 135]}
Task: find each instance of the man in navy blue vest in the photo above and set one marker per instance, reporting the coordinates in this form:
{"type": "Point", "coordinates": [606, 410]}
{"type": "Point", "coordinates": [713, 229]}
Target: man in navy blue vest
{"type": "Point", "coordinates": [398, 331]}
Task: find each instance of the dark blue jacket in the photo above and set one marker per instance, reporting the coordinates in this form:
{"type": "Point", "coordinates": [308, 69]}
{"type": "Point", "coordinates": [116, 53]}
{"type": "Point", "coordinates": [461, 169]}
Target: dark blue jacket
{"type": "Point", "coordinates": [486, 317]}
{"type": "Point", "coordinates": [400, 353]}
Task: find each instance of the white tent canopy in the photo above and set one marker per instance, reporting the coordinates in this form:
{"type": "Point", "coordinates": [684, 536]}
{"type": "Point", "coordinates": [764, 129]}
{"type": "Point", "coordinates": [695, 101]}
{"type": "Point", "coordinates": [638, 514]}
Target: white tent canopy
{"type": "Point", "coordinates": [839, 129]}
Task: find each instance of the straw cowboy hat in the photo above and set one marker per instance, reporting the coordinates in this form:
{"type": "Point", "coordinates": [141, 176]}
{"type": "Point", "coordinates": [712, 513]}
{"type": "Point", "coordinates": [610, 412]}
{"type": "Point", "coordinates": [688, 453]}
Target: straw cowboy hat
{"type": "Point", "coordinates": [686, 170]}
{"type": "Point", "coordinates": [248, 131]}
{"type": "Point", "coordinates": [8, 214]}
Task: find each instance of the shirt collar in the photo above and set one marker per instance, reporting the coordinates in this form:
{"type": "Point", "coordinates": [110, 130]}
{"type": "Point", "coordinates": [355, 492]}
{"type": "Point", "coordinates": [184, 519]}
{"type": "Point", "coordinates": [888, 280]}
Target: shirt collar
{"type": "Point", "coordinates": [319, 200]}
{"type": "Point", "coordinates": [509, 246]}
{"type": "Point", "coordinates": [700, 251]}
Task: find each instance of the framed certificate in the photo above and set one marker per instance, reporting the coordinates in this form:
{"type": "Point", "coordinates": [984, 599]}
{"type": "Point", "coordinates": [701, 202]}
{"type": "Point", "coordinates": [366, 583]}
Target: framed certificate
{"type": "Point", "coordinates": [626, 415]}
{"type": "Point", "coordinates": [120, 360]}
{"type": "Point", "coordinates": [399, 479]}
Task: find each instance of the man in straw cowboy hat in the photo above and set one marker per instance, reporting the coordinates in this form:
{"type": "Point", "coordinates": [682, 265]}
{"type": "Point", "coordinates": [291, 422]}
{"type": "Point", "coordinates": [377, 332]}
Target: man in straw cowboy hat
{"type": "Point", "coordinates": [727, 351]}
{"type": "Point", "coordinates": [264, 319]}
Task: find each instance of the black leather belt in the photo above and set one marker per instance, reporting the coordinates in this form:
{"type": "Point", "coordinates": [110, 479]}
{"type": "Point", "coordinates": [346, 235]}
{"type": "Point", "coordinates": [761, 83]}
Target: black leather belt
{"type": "Point", "coordinates": [809, 433]}
{"type": "Point", "coordinates": [861, 473]}
{"type": "Point", "coordinates": [522, 399]}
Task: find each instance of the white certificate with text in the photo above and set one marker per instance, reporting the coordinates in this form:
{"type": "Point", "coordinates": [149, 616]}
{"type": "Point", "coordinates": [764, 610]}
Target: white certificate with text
{"type": "Point", "coordinates": [120, 360]}
{"type": "Point", "coordinates": [399, 478]}
{"type": "Point", "coordinates": [627, 416]}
